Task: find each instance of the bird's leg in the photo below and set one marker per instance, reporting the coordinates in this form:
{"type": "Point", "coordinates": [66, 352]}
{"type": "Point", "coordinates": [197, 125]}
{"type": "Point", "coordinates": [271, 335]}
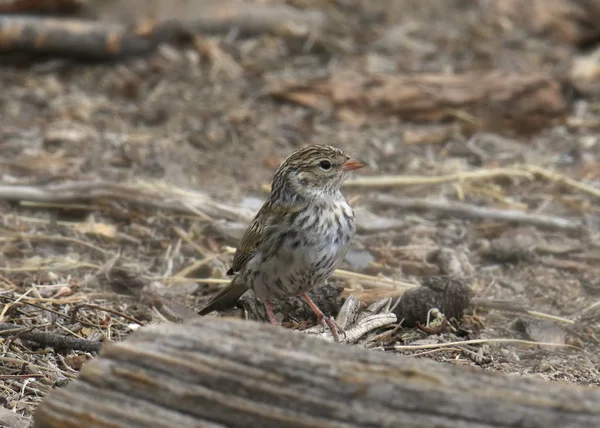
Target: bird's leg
{"type": "Point", "coordinates": [322, 318]}
{"type": "Point", "coordinates": [270, 314]}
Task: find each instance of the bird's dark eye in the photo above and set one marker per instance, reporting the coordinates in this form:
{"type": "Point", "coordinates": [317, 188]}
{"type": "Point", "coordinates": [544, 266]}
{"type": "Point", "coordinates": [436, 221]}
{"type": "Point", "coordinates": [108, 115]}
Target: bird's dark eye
{"type": "Point", "coordinates": [325, 164]}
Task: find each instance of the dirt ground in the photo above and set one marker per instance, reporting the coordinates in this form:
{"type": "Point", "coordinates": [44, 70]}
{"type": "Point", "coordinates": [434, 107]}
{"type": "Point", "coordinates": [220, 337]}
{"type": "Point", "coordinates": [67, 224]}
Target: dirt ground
{"type": "Point", "coordinates": [204, 116]}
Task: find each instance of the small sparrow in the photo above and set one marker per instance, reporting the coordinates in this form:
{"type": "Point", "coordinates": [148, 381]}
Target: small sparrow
{"type": "Point", "coordinates": [299, 236]}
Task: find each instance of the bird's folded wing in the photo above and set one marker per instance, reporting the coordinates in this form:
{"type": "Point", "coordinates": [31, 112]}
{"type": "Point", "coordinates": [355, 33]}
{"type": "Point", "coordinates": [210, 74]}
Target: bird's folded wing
{"type": "Point", "coordinates": [270, 220]}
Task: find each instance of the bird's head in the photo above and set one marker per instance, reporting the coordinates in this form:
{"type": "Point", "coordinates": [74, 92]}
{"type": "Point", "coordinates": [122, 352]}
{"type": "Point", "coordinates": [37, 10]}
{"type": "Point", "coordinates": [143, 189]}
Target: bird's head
{"type": "Point", "coordinates": [315, 171]}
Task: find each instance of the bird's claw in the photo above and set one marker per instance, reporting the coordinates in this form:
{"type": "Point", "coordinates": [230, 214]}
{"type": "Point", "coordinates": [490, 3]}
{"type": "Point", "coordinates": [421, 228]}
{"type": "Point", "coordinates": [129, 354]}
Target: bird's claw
{"type": "Point", "coordinates": [333, 326]}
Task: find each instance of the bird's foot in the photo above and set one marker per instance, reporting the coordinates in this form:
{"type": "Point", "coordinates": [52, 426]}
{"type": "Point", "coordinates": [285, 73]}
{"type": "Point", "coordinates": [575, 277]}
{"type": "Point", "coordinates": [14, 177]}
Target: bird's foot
{"type": "Point", "coordinates": [323, 319]}
{"type": "Point", "coordinates": [333, 326]}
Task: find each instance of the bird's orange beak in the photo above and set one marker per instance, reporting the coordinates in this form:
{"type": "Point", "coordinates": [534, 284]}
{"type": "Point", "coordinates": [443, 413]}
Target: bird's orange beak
{"type": "Point", "coordinates": [352, 164]}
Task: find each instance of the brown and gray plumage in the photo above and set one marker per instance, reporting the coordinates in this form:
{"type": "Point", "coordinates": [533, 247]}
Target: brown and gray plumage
{"type": "Point", "coordinates": [299, 236]}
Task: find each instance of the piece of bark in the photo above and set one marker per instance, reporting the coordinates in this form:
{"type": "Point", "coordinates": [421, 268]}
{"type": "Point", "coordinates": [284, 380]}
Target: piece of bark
{"type": "Point", "coordinates": [233, 373]}
{"type": "Point", "coordinates": [449, 295]}
{"type": "Point", "coordinates": [494, 101]}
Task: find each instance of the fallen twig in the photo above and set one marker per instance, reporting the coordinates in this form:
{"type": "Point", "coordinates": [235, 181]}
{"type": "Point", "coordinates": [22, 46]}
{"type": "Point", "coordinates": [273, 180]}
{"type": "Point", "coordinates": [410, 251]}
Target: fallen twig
{"type": "Point", "coordinates": [480, 341]}
{"type": "Point", "coordinates": [461, 209]}
{"type": "Point", "coordinates": [19, 376]}
{"type": "Point", "coordinates": [512, 307]}
{"type": "Point", "coordinates": [56, 341]}
{"type": "Point", "coordinates": [89, 39]}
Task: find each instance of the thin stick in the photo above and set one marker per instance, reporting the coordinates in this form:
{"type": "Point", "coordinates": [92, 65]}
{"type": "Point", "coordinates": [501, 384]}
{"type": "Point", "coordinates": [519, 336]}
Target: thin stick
{"type": "Point", "coordinates": [549, 317]}
{"type": "Point", "coordinates": [477, 341]}
{"type": "Point", "coordinates": [9, 305]}
{"type": "Point", "coordinates": [20, 376]}
{"type": "Point", "coordinates": [52, 340]}
{"type": "Point", "coordinates": [55, 266]}
{"type": "Point", "coordinates": [433, 351]}
{"type": "Point", "coordinates": [510, 307]}
{"type": "Point", "coordinates": [460, 209]}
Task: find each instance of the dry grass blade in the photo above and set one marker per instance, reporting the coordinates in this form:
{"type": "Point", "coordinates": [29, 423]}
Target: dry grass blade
{"type": "Point", "coordinates": [512, 307]}
{"type": "Point", "coordinates": [377, 281]}
{"type": "Point", "coordinates": [562, 179]}
{"type": "Point", "coordinates": [406, 180]}
{"type": "Point", "coordinates": [180, 279]}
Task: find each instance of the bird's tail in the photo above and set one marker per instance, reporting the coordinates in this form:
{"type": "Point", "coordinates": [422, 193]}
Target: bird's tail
{"type": "Point", "coordinates": [226, 298]}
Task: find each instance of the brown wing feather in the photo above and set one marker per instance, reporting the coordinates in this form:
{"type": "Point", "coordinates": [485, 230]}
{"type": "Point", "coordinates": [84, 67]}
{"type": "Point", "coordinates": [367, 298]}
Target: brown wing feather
{"type": "Point", "coordinates": [253, 237]}
{"type": "Point", "coordinates": [268, 220]}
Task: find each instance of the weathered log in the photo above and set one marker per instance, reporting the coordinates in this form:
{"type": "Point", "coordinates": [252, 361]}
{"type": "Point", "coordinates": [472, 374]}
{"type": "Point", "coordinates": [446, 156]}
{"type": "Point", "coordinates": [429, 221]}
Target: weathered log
{"type": "Point", "coordinates": [224, 372]}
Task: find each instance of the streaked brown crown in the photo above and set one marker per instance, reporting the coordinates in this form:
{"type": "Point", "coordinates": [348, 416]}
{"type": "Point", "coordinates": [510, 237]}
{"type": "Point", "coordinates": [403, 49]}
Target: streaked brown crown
{"type": "Point", "coordinates": [311, 155]}
{"type": "Point", "coordinates": [310, 169]}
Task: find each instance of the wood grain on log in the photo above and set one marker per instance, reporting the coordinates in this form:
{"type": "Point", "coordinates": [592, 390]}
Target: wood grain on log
{"type": "Point", "coordinates": [224, 372]}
